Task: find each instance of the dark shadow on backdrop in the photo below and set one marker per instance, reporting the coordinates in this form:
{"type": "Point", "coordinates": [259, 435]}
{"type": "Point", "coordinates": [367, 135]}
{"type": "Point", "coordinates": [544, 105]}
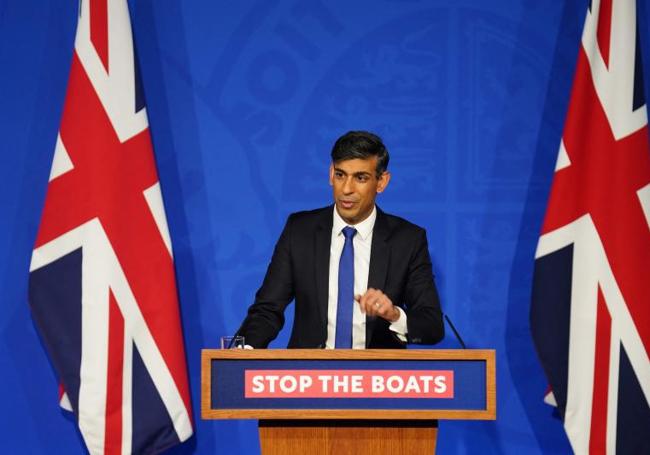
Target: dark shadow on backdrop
{"type": "Point", "coordinates": [527, 373]}
{"type": "Point", "coordinates": [189, 279]}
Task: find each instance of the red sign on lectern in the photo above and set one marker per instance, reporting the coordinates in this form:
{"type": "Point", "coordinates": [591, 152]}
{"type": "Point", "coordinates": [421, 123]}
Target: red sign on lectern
{"type": "Point", "coordinates": [349, 383]}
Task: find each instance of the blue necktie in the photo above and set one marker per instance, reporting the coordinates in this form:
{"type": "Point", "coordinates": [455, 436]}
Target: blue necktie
{"type": "Point", "coordinates": [345, 307]}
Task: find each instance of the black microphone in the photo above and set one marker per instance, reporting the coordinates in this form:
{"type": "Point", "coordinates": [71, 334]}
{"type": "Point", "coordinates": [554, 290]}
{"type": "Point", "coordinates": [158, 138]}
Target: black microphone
{"type": "Point", "coordinates": [460, 340]}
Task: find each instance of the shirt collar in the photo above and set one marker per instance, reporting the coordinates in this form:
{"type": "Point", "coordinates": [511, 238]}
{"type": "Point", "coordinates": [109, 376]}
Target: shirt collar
{"type": "Point", "coordinates": [364, 229]}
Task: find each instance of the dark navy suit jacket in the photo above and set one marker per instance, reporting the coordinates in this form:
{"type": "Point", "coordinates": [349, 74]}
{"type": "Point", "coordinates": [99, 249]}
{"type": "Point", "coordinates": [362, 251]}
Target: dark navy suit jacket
{"type": "Point", "coordinates": [399, 266]}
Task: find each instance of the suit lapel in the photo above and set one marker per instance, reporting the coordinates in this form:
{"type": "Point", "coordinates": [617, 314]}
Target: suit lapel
{"type": "Point", "coordinates": [379, 259]}
{"type": "Point", "coordinates": [323, 239]}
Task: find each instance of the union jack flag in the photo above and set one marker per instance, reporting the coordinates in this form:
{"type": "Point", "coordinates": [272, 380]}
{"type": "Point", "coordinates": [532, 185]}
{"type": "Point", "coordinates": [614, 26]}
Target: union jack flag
{"type": "Point", "coordinates": [102, 287]}
{"type": "Point", "coordinates": [590, 315]}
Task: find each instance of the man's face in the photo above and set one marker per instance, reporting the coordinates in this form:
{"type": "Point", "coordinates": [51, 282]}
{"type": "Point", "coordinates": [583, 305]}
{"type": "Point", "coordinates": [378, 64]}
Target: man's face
{"type": "Point", "coordinates": [356, 186]}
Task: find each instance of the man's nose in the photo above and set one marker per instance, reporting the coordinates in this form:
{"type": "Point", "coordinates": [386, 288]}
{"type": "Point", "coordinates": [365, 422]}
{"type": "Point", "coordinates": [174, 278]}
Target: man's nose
{"type": "Point", "coordinates": [348, 186]}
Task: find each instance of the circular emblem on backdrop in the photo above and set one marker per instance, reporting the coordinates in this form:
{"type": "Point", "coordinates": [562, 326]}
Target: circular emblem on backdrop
{"type": "Point", "coordinates": [427, 83]}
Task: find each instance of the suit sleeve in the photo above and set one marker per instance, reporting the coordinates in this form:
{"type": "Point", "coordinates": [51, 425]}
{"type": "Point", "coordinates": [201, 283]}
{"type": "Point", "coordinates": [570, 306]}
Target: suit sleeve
{"type": "Point", "coordinates": [265, 317]}
{"type": "Point", "coordinates": [424, 317]}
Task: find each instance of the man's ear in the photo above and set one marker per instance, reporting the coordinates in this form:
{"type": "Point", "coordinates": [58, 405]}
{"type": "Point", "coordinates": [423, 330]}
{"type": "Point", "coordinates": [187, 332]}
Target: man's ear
{"type": "Point", "coordinates": [382, 182]}
{"type": "Point", "coordinates": [332, 174]}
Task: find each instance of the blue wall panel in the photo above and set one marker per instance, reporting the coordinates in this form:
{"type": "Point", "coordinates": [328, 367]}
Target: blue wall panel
{"type": "Point", "coordinates": [245, 100]}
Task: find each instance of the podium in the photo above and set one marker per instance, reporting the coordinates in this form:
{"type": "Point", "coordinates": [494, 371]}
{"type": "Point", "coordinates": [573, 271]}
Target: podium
{"type": "Point", "coordinates": [373, 401]}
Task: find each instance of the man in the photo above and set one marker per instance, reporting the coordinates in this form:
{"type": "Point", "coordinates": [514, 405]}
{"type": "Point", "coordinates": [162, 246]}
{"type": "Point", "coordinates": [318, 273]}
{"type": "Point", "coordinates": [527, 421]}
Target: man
{"type": "Point", "coordinates": [360, 278]}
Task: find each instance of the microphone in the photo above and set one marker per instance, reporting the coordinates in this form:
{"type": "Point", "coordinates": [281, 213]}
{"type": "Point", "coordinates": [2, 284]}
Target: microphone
{"type": "Point", "coordinates": [460, 340]}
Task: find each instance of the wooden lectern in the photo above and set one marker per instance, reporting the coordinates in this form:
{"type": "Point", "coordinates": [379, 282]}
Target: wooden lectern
{"type": "Point", "coordinates": [348, 401]}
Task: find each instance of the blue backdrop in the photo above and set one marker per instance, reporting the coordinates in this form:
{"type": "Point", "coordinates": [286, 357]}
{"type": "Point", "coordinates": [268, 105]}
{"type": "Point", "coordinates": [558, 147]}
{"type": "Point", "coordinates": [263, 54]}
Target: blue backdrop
{"type": "Point", "coordinates": [245, 100]}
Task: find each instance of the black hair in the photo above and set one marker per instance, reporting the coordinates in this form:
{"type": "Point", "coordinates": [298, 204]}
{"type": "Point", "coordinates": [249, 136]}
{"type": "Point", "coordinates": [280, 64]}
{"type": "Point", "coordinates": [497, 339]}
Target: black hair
{"type": "Point", "coordinates": [361, 145]}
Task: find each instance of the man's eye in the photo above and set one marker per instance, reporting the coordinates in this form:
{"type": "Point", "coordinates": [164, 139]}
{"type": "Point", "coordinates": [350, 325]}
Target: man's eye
{"type": "Point", "coordinates": [362, 178]}
{"type": "Point", "coordinates": [338, 175]}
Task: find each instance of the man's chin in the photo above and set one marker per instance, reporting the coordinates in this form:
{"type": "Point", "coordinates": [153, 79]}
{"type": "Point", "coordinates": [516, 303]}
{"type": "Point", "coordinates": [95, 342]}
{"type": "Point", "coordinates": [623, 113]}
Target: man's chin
{"type": "Point", "coordinates": [346, 214]}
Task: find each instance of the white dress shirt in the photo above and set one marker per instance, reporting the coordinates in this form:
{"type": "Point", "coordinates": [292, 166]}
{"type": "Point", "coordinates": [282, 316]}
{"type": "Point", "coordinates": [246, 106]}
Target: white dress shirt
{"type": "Point", "coordinates": [362, 241]}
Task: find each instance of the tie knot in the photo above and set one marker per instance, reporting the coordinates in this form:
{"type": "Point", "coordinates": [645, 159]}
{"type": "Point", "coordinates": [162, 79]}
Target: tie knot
{"type": "Point", "coordinates": [349, 232]}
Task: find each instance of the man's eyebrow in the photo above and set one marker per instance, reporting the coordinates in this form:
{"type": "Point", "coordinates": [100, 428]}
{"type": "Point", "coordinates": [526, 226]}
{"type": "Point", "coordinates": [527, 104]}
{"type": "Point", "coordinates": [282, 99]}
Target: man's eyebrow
{"type": "Point", "coordinates": [360, 173]}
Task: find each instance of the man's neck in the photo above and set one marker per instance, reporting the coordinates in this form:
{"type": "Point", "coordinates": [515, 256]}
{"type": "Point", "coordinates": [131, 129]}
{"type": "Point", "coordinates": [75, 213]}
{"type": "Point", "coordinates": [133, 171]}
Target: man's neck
{"type": "Point", "coordinates": [364, 227]}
